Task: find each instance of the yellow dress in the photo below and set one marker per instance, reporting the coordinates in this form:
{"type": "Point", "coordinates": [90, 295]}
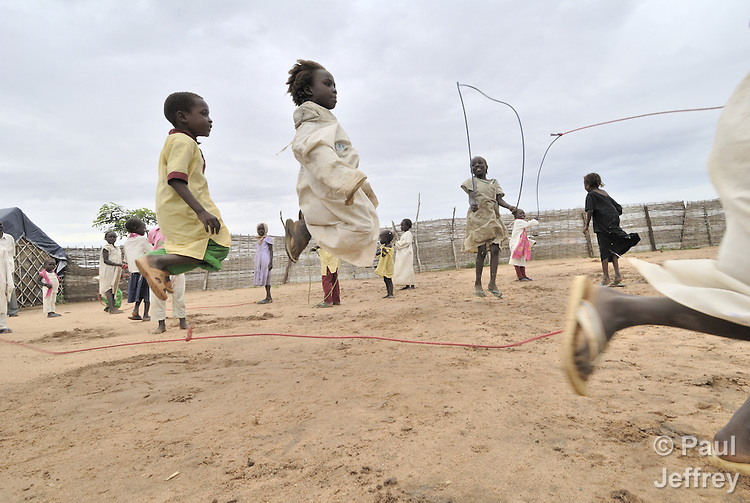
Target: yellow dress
{"type": "Point", "coordinates": [328, 262]}
{"type": "Point", "coordinates": [385, 262]}
{"type": "Point", "coordinates": [181, 158]}
{"type": "Point", "coordinates": [484, 227]}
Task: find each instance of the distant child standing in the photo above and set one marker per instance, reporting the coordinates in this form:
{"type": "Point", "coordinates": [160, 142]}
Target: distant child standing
{"type": "Point", "coordinates": [403, 270]}
{"type": "Point", "coordinates": [385, 262]}
{"type": "Point", "coordinates": [336, 201]}
{"type": "Point", "coordinates": [520, 244]}
{"type": "Point", "coordinates": [179, 309]}
{"type": "Point", "coordinates": [110, 271]}
{"type": "Point", "coordinates": [613, 241]}
{"type": "Point", "coordinates": [195, 233]}
{"type": "Point", "coordinates": [329, 274]}
{"type": "Point", "coordinates": [50, 283]}
{"type": "Point", "coordinates": [263, 262]}
{"type": "Point", "coordinates": [7, 264]}
{"type": "Point", "coordinates": [136, 246]}
{"type": "Point", "coordinates": [483, 225]}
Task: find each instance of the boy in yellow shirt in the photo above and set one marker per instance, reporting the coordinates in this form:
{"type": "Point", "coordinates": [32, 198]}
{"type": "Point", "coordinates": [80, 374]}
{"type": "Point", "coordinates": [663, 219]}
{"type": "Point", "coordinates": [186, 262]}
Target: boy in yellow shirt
{"type": "Point", "coordinates": [195, 233]}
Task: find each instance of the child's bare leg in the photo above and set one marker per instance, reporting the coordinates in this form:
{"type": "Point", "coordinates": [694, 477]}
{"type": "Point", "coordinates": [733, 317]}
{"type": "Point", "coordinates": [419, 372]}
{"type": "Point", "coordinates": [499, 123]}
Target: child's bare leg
{"type": "Point", "coordinates": [268, 293]}
{"type": "Point", "coordinates": [739, 428]}
{"type": "Point", "coordinates": [494, 261]}
{"type": "Point", "coordinates": [618, 311]}
{"type": "Point", "coordinates": [605, 272]}
{"type": "Point", "coordinates": [111, 302]}
{"type": "Point", "coordinates": [136, 307]}
{"type": "Point", "coordinates": [616, 266]}
{"type": "Point", "coordinates": [161, 328]}
{"type": "Point", "coordinates": [481, 254]}
{"type": "Point", "coordinates": [388, 288]}
{"type": "Point", "coordinates": [184, 324]}
{"type": "Point", "coordinates": [146, 307]}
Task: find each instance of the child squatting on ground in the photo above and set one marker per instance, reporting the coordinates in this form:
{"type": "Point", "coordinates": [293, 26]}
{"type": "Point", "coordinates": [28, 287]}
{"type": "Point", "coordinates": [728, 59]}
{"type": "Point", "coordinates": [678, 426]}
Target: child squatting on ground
{"type": "Point", "coordinates": [520, 243]}
{"type": "Point", "coordinates": [263, 262]}
{"type": "Point", "coordinates": [403, 268]}
{"type": "Point", "coordinates": [195, 233]}
{"type": "Point", "coordinates": [136, 246]}
{"type": "Point", "coordinates": [50, 283]}
{"type": "Point", "coordinates": [613, 241]}
{"type": "Point", "coordinates": [385, 262]}
{"type": "Point", "coordinates": [483, 224]}
{"type": "Point", "coordinates": [336, 201]}
{"type": "Point", "coordinates": [110, 271]}
{"type": "Point", "coordinates": [709, 296]}
{"type": "Point", "coordinates": [179, 309]}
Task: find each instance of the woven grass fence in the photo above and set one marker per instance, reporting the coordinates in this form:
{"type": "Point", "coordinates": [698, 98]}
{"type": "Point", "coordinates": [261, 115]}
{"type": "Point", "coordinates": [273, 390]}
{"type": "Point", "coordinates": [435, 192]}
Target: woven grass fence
{"type": "Point", "coordinates": [668, 225]}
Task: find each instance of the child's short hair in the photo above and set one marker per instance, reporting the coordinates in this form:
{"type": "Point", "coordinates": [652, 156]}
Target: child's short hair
{"type": "Point", "coordinates": [300, 76]}
{"type": "Point", "coordinates": [132, 224]}
{"type": "Point", "coordinates": [179, 102]}
{"type": "Point", "coordinates": [408, 222]}
{"type": "Point", "coordinates": [386, 236]}
{"type": "Point", "coordinates": [593, 180]}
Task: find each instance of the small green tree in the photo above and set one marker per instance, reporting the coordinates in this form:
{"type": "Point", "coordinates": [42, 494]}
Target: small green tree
{"type": "Point", "coordinates": [112, 217]}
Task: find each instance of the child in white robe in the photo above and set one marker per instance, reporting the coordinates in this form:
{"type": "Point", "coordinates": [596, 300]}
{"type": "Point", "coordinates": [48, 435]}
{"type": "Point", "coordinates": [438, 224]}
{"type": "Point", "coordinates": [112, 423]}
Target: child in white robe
{"type": "Point", "coordinates": [6, 278]}
{"type": "Point", "coordinates": [50, 283]}
{"type": "Point", "coordinates": [403, 268]}
{"type": "Point", "coordinates": [520, 244]}
{"type": "Point", "coordinates": [336, 201]}
{"type": "Point", "coordinates": [110, 271]}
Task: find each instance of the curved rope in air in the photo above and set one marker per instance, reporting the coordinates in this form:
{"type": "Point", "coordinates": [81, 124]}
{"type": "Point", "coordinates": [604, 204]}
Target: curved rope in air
{"type": "Point", "coordinates": [190, 337]}
{"type": "Point", "coordinates": [560, 135]}
{"type": "Point", "coordinates": [523, 142]}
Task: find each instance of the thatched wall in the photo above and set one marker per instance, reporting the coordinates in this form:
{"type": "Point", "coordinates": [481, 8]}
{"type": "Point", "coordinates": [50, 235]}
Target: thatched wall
{"type": "Point", "coordinates": [669, 225]}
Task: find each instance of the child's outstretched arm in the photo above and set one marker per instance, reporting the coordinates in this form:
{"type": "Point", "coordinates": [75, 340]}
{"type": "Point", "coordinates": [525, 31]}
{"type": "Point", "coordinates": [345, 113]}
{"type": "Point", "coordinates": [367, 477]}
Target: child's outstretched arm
{"type": "Point", "coordinates": [505, 205]}
{"type": "Point", "coordinates": [209, 221]}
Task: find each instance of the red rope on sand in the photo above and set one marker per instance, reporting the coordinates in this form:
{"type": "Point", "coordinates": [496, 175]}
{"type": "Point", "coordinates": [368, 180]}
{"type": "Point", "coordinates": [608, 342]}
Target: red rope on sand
{"type": "Point", "coordinates": [190, 337]}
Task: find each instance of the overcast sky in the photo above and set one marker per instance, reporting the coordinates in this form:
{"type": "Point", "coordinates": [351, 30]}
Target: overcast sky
{"type": "Point", "coordinates": [83, 85]}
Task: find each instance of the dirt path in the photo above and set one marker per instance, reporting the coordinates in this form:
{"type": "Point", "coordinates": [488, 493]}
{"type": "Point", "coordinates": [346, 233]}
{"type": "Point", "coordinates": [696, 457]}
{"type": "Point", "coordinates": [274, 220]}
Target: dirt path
{"type": "Point", "coordinates": [281, 419]}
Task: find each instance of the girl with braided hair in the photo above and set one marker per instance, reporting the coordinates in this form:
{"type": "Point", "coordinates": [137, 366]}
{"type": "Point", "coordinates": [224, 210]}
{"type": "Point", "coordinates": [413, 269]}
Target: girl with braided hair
{"type": "Point", "coordinates": [337, 204]}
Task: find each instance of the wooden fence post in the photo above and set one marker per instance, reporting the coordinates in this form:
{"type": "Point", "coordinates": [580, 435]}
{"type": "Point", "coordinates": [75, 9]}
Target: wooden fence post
{"type": "Point", "coordinates": [416, 232]}
{"type": "Point", "coordinates": [589, 248]}
{"type": "Point", "coordinates": [650, 229]}
{"type": "Point", "coordinates": [682, 227]}
{"type": "Point", "coordinates": [453, 231]}
{"type": "Point", "coordinates": [708, 226]}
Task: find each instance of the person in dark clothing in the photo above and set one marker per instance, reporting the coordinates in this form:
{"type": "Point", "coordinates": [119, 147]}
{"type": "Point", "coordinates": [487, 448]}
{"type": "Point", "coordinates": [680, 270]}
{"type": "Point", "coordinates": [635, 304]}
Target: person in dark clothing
{"type": "Point", "coordinates": [613, 241]}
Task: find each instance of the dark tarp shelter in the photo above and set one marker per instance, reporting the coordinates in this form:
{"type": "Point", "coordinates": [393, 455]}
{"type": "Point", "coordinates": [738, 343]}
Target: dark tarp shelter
{"type": "Point", "coordinates": [33, 246]}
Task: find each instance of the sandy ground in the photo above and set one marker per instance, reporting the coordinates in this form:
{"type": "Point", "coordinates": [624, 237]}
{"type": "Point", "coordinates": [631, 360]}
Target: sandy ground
{"type": "Point", "coordinates": [281, 419]}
